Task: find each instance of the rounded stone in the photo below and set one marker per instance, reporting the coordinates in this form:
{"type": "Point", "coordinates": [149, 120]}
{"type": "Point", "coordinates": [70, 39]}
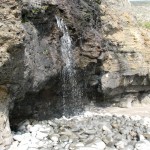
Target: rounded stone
{"type": "Point", "coordinates": [55, 137]}
{"type": "Point", "coordinates": [142, 145]}
{"type": "Point", "coordinates": [18, 137]}
{"type": "Point", "coordinates": [64, 138]}
{"type": "Point", "coordinates": [40, 135]}
{"type": "Point", "coordinates": [120, 145]}
{"type": "Point", "coordinates": [97, 143]}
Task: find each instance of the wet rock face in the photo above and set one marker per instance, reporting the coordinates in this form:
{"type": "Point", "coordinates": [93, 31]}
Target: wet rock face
{"type": "Point", "coordinates": [42, 41]}
{"type": "Point", "coordinates": [42, 55]}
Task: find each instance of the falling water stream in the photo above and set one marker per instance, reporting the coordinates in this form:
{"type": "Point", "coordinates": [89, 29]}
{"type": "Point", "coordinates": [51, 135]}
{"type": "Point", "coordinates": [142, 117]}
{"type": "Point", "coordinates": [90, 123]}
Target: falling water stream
{"type": "Point", "coordinates": [71, 90]}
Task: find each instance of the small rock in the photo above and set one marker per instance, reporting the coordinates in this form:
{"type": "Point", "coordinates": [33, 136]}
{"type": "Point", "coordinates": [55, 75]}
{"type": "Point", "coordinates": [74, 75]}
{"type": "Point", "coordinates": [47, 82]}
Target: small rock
{"type": "Point", "coordinates": [74, 146]}
{"type": "Point", "coordinates": [2, 147]}
{"type": "Point", "coordinates": [146, 121]}
{"type": "Point", "coordinates": [147, 136]}
{"type": "Point", "coordinates": [135, 118]}
{"type": "Point", "coordinates": [117, 137]}
{"type": "Point", "coordinates": [133, 133]}
{"type": "Point", "coordinates": [107, 139]}
{"type": "Point", "coordinates": [23, 125]}
{"type": "Point", "coordinates": [79, 144]}
{"type": "Point", "coordinates": [23, 147]}
{"type": "Point", "coordinates": [18, 137]}
{"type": "Point", "coordinates": [41, 135]}
{"type": "Point", "coordinates": [129, 147]}
{"type": "Point", "coordinates": [115, 125]}
{"type": "Point", "coordinates": [34, 140]}
{"type": "Point", "coordinates": [86, 148]}
{"type": "Point", "coordinates": [46, 130]}
{"type": "Point", "coordinates": [7, 141]}
{"type": "Point", "coordinates": [1, 139]}
{"type": "Point", "coordinates": [120, 145]}
{"type": "Point", "coordinates": [64, 138]}
{"type": "Point", "coordinates": [14, 145]}
{"type": "Point", "coordinates": [105, 128]}
{"type": "Point", "coordinates": [33, 149]}
{"type": "Point", "coordinates": [97, 143]}
{"type": "Point", "coordinates": [67, 146]}
{"type": "Point", "coordinates": [142, 145]}
{"type": "Point", "coordinates": [52, 123]}
{"type": "Point", "coordinates": [41, 144]}
{"type": "Point", "coordinates": [111, 148]}
{"type": "Point", "coordinates": [141, 137]}
{"type": "Point", "coordinates": [57, 147]}
{"type": "Point", "coordinates": [54, 137]}
{"type": "Point", "coordinates": [28, 127]}
{"type": "Point", "coordinates": [35, 128]}
{"type": "Point", "coordinates": [83, 136]}
{"type": "Point", "coordinates": [90, 132]}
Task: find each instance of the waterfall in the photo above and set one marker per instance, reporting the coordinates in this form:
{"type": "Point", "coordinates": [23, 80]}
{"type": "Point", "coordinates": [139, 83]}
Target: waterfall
{"type": "Point", "coordinates": [65, 45]}
{"type": "Point", "coordinates": [71, 90]}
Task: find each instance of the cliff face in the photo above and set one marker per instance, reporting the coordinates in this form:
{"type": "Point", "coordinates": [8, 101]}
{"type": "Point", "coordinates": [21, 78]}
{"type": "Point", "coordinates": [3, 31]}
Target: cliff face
{"type": "Point", "coordinates": [111, 56]}
{"type": "Point", "coordinates": [126, 61]}
{"type": "Point", "coordinates": [43, 61]}
{"type": "Point", "coordinates": [11, 52]}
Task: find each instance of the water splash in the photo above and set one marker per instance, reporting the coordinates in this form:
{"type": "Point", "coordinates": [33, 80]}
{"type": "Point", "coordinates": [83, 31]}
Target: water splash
{"type": "Point", "coordinates": [71, 90]}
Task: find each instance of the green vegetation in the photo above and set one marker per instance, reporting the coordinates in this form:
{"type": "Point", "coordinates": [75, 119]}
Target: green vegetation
{"type": "Point", "coordinates": [147, 25]}
{"type": "Point", "coordinates": [24, 20]}
{"type": "Point", "coordinates": [98, 1]}
{"type": "Point", "coordinates": [32, 12]}
{"type": "Point", "coordinates": [46, 51]}
{"type": "Point", "coordinates": [144, 24]}
{"type": "Point", "coordinates": [37, 10]}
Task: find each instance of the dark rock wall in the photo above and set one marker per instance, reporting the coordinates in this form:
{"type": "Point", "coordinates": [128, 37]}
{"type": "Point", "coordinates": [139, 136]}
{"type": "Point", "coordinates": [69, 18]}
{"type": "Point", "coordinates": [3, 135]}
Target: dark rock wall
{"type": "Point", "coordinates": [42, 57]}
{"type": "Point", "coordinates": [42, 40]}
{"type": "Point", "coordinates": [11, 64]}
{"type": "Point", "coordinates": [108, 50]}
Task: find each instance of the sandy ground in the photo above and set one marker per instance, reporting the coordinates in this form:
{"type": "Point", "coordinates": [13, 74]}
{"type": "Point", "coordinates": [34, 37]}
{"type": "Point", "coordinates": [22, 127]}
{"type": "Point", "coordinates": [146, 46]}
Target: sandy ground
{"type": "Point", "coordinates": [143, 111]}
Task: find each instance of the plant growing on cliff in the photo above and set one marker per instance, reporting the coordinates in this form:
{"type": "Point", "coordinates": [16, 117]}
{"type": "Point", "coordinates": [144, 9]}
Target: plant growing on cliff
{"type": "Point", "coordinates": [98, 1]}
{"type": "Point", "coordinates": [144, 24]}
{"type": "Point", "coordinates": [147, 25]}
{"type": "Point", "coordinates": [40, 9]}
{"type": "Point", "coordinates": [45, 51]}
